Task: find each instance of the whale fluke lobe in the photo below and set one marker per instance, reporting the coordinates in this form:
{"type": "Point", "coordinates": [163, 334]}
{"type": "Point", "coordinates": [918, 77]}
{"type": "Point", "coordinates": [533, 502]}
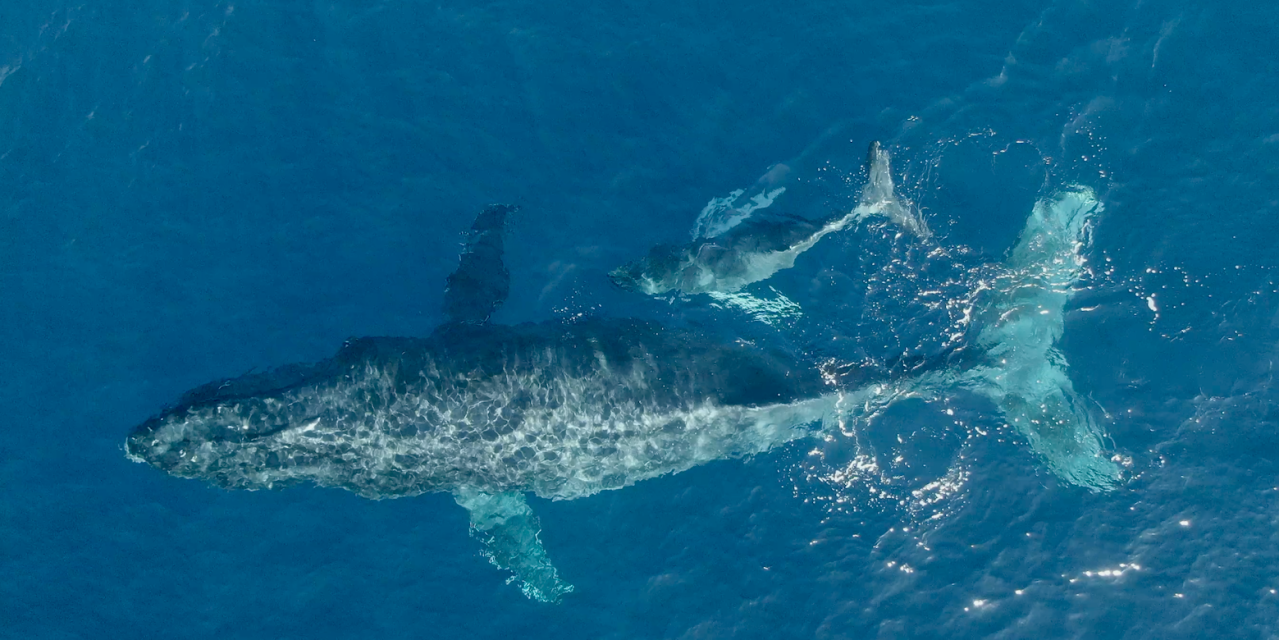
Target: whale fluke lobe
{"type": "Point", "coordinates": [481, 282]}
{"type": "Point", "coordinates": [509, 530]}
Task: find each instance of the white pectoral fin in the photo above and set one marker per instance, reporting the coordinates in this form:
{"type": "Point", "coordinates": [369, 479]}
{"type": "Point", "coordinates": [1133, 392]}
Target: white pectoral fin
{"type": "Point", "coordinates": [509, 530]}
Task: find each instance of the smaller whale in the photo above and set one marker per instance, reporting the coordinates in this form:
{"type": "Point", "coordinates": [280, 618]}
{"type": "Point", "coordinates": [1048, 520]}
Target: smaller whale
{"type": "Point", "coordinates": [753, 244]}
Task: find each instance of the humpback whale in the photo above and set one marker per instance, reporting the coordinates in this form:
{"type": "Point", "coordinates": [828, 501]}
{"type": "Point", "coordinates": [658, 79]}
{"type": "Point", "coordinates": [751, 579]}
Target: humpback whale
{"type": "Point", "coordinates": [751, 244]}
{"type": "Point", "coordinates": [563, 410]}
{"type": "Point", "coordinates": [489, 412]}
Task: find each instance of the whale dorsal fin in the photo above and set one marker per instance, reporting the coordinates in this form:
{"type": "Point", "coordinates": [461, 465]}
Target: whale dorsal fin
{"type": "Point", "coordinates": [481, 282]}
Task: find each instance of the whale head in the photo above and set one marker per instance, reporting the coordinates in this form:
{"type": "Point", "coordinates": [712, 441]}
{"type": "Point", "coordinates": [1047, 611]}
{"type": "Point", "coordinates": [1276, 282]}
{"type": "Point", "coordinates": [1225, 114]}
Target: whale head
{"type": "Point", "coordinates": [652, 275]}
{"type": "Point", "coordinates": [634, 277]}
{"type": "Point", "coordinates": [242, 432]}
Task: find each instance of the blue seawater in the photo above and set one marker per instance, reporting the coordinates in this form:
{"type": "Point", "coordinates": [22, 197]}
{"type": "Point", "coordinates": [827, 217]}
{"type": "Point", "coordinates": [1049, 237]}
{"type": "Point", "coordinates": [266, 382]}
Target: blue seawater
{"type": "Point", "coordinates": [192, 189]}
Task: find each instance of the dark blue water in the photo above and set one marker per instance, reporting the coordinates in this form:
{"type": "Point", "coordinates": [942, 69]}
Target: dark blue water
{"type": "Point", "coordinates": [189, 190]}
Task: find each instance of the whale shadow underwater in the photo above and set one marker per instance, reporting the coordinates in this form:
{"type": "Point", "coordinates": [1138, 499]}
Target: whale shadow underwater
{"type": "Point", "coordinates": [564, 410]}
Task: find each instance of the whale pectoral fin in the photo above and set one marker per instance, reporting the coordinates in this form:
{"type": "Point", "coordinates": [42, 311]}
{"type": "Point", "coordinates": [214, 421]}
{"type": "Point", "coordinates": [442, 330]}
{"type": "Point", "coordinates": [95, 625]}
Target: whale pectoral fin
{"type": "Point", "coordinates": [481, 281]}
{"type": "Point", "coordinates": [509, 530]}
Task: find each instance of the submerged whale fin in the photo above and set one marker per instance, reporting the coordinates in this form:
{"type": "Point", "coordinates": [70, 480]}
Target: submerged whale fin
{"type": "Point", "coordinates": [1027, 376]}
{"type": "Point", "coordinates": [772, 311]}
{"type": "Point", "coordinates": [879, 196]}
{"type": "Point", "coordinates": [509, 530]}
{"type": "Point", "coordinates": [481, 282]}
{"type": "Point", "coordinates": [722, 214]}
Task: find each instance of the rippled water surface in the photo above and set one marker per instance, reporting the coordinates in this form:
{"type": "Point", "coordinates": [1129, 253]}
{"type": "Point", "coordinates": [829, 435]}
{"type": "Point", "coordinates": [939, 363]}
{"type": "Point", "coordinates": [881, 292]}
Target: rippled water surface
{"type": "Point", "coordinates": [192, 190]}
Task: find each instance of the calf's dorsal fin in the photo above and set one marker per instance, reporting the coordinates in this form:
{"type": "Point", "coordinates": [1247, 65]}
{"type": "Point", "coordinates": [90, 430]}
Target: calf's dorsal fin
{"type": "Point", "coordinates": [481, 282]}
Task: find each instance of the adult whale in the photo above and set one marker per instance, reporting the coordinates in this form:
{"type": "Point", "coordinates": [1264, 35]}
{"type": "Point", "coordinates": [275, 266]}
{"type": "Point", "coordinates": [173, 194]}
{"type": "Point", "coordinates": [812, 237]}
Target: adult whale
{"type": "Point", "coordinates": [561, 410]}
{"type": "Point", "coordinates": [489, 412]}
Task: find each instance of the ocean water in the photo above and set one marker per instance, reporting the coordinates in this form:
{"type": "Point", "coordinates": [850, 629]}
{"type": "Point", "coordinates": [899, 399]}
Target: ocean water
{"type": "Point", "coordinates": [190, 190]}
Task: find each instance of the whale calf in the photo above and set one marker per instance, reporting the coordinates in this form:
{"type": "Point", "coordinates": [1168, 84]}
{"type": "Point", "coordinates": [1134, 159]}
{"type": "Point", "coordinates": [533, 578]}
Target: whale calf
{"type": "Point", "coordinates": [748, 244]}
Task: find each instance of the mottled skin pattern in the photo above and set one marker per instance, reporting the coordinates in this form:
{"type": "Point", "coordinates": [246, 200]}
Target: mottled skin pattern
{"type": "Point", "coordinates": [562, 410]}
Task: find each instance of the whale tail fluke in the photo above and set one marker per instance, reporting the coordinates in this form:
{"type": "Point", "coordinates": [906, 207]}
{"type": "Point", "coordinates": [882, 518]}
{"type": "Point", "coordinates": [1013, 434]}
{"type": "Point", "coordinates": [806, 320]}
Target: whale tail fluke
{"type": "Point", "coordinates": [1025, 374]}
{"type": "Point", "coordinates": [879, 196]}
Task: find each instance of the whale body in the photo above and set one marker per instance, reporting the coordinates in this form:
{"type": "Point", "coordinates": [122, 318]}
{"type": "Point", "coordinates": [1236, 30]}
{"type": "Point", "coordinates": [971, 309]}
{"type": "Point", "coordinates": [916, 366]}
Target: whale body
{"type": "Point", "coordinates": [564, 410]}
{"type": "Point", "coordinates": [559, 410]}
{"type": "Point", "coordinates": [490, 412]}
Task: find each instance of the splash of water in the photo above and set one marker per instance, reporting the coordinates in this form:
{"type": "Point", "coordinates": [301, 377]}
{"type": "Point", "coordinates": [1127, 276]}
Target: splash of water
{"type": "Point", "coordinates": [772, 311]}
